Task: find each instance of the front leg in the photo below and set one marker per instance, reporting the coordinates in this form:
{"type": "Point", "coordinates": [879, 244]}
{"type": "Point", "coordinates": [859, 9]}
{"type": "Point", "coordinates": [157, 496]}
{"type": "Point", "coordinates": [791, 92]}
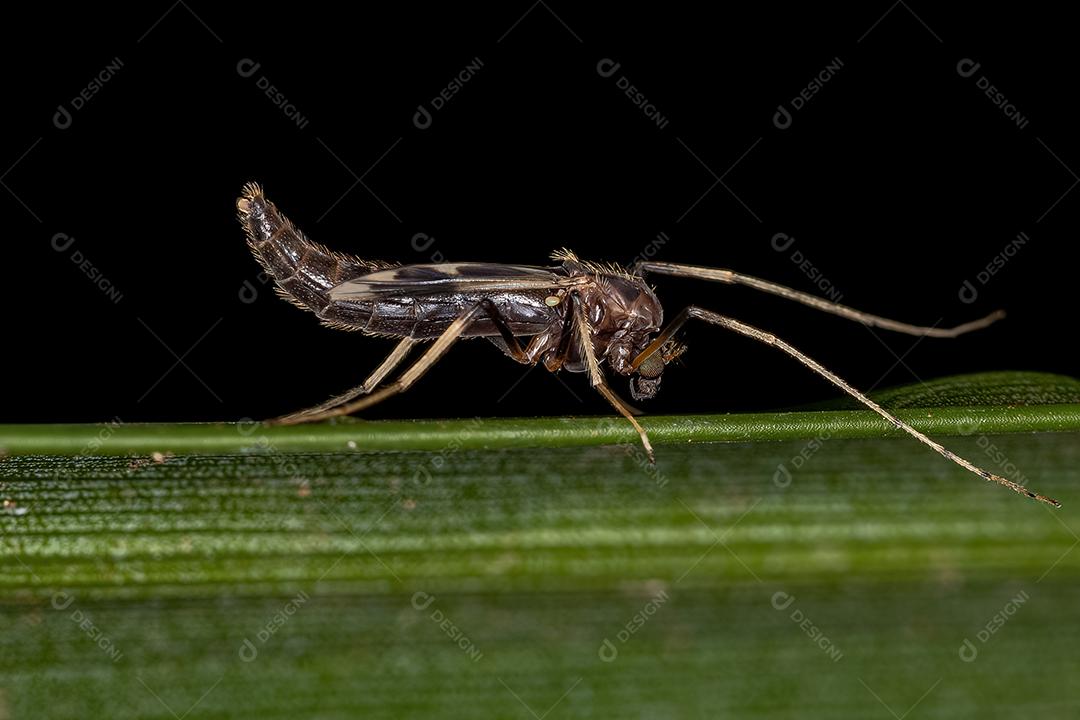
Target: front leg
{"type": "Point", "coordinates": [583, 335]}
{"type": "Point", "coordinates": [769, 339]}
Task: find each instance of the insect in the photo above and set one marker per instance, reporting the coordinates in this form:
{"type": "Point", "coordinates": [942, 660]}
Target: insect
{"type": "Point", "coordinates": [576, 316]}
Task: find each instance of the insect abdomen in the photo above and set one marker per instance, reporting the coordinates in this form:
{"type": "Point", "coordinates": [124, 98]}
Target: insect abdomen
{"type": "Point", "coordinates": [304, 271]}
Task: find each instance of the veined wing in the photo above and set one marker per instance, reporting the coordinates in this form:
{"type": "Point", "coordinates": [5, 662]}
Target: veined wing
{"type": "Point", "coordinates": [450, 278]}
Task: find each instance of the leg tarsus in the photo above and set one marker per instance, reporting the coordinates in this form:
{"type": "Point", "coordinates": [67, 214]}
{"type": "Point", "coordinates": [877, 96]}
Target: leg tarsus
{"type": "Point", "coordinates": [320, 411]}
{"type": "Point", "coordinates": [616, 403]}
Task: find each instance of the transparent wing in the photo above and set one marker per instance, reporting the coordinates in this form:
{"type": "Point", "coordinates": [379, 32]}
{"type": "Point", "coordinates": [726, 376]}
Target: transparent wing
{"type": "Point", "coordinates": [450, 278]}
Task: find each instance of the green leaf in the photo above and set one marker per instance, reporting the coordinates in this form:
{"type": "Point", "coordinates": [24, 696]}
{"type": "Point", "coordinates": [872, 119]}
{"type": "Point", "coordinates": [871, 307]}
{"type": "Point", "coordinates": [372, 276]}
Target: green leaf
{"type": "Point", "coordinates": [512, 568]}
{"type": "Point", "coordinates": [993, 389]}
{"type": "Point", "coordinates": [991, 403]}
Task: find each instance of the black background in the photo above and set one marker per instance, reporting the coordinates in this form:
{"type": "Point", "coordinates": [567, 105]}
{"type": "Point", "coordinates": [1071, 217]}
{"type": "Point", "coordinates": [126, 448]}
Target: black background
{"type": "Point", "coordinates": [898, 180]}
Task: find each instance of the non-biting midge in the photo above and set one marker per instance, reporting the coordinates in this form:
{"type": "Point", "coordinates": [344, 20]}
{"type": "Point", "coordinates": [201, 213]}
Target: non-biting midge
{"type": "Point", "coordinates": [576, 316]}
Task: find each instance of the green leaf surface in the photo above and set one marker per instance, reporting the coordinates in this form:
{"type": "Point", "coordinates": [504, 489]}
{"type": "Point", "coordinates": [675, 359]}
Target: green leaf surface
{"type": "Point", "coordinates": [541, 568]}
{"type": "Point", "coordinates": [988, 403]}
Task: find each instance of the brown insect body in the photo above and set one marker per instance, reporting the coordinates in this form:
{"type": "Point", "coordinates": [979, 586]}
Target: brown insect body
{"type": "Point", "coordinates": [421, 301]}
{"type": "Point", "coordinates": [575, 316]}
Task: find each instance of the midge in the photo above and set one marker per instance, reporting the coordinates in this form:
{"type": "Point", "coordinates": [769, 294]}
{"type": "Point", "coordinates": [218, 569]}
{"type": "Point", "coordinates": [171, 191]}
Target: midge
{"type": "Point", "coordinates": [575, 316]}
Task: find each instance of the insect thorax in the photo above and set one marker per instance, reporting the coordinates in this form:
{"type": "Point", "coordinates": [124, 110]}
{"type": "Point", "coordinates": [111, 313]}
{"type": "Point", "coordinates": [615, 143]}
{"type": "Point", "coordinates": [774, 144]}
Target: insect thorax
{"type": "Point", "coordinates": [624, 314]}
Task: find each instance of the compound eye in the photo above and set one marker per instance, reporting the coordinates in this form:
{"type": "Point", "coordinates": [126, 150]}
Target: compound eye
{"type": "Point", "coordinates": [652, 366]}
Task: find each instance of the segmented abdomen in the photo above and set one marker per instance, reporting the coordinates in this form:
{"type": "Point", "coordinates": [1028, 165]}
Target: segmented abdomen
{"type": "Point", "coordinates": [304, 271]}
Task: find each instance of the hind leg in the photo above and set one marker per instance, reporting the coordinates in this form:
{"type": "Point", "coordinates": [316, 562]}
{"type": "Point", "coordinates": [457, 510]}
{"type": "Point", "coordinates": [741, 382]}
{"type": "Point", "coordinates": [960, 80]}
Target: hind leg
{"type": "Point", "coordinates": [319, 411]}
